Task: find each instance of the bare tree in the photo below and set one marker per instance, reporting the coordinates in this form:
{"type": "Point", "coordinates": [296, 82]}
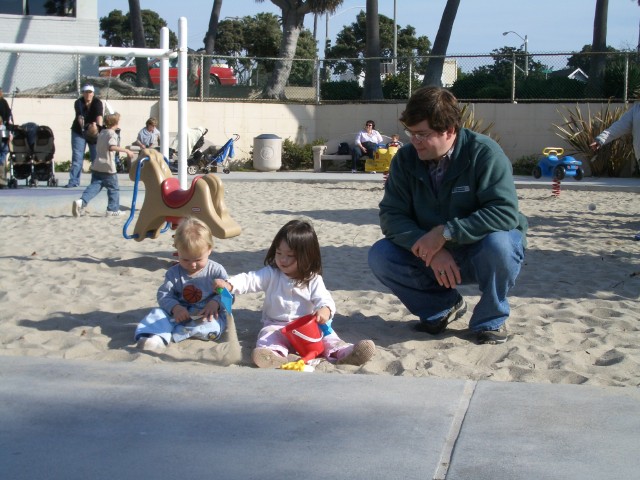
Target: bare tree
{"type": "Point", "coordinates": [137, 29]}
{"type": "Point", "coordinates": [598, 49]}
{"type": "Point", "coordinates": [372, 81]}
{"type": "Point", "coordinates": [433, 73]}
{"type": "Point", "coordinates": [293, 12]}
{"type": "Point", "coordinates": [209, 45]}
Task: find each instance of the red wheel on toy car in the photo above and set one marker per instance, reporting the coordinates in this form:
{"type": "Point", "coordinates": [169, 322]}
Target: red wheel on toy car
{"type": "Point", "coordinates": [537, 172]}
{"type": "Point", "coordinates": [559, 172]}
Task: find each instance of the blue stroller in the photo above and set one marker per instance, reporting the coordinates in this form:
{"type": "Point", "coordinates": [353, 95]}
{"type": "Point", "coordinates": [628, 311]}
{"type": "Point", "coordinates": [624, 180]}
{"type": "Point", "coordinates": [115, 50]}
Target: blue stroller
{"type": "Point", "coordinates": [210, 163]}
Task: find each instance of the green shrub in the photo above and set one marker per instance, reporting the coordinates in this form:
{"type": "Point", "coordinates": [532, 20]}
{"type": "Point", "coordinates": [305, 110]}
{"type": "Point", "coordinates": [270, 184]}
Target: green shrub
{"type": "Point", "coordinates": [397, 86]}
{"type": "Point", "coordinates": [342, 90]}
{"type": "Point", "coordinates": [524, 165]}
{"type": "Point", "coordinates": [62, 166]}
{"type": "Point", "coordinates": [298, 157]}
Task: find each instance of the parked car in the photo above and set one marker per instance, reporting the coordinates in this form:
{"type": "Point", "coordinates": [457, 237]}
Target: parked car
{"type": "Point", "coordinates": [220, 74]}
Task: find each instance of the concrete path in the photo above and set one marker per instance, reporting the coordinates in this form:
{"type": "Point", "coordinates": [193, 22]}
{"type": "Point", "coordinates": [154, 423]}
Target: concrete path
{"type": "Point", "coordinates": [26, 199]}
{"type": "Point", "coordinates": [64, 419]}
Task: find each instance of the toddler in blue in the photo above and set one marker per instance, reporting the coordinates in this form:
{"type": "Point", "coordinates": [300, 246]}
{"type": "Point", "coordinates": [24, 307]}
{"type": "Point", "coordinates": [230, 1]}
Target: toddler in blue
{"type": "Point", "coordinates": [189, 306]}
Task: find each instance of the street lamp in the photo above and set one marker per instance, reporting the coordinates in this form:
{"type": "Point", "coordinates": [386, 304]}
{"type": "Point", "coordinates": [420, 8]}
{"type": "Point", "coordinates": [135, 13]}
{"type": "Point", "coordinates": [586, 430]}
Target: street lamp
{"type": "Point", "coordinates": [526, 45]}
{"type": "Point", "coordinates": [327, 18]}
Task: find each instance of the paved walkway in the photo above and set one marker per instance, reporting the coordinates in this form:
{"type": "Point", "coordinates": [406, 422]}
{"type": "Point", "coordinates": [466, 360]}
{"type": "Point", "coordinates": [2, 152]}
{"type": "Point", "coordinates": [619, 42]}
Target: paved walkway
{"type": "Point", "coordinates": [24, 199]}
{"type": "Point", "coordinates": [68, 419]}
{"type": "Point", "coordinates": [64, 419]}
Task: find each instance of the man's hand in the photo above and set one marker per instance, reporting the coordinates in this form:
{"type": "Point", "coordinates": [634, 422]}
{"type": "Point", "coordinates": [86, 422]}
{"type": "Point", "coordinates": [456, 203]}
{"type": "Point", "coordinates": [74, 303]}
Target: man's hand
{"type": "Point", "coordinates": [445, 269]}
{"type": "Point", "coordinates": [594, 146]}
{"type": "Point", "coordinates": [429, 244]}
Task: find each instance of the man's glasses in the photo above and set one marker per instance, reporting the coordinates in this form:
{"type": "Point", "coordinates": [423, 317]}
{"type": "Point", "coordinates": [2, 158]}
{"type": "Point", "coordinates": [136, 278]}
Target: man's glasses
{"type": "Point", "coordinates": [369, 125]}
{"type": "Point", "coordinates": [418, 137]}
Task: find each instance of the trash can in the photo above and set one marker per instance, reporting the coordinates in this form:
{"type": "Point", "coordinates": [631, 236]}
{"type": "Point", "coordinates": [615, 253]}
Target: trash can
{"type": "Point", "coordinates": [267, 152]}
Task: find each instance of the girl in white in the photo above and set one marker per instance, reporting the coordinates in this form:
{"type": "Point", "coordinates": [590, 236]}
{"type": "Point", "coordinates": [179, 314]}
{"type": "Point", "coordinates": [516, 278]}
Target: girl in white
{"type": "Point", "coordinates": [293, 286]}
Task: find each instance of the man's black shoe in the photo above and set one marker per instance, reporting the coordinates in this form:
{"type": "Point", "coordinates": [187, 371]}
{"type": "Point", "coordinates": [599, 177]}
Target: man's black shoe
{"type": "Point", "coordinates": [492, 337]}
{"type": "Point", "coordinates": [439, 326]}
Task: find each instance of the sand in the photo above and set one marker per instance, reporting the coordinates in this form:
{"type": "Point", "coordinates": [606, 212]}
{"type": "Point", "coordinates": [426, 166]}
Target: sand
{"type": "Point", "coordinates": [74, 288]}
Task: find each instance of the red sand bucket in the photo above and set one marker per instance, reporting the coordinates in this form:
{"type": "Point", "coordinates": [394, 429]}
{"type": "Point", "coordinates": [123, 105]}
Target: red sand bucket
{"type": "Point", "coordinates": [305, 336]}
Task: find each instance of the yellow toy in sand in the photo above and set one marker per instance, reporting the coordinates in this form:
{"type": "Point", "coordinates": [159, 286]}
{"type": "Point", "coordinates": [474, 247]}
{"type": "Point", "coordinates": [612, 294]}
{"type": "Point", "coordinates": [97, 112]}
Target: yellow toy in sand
{"type": "Point", "coordinates": [298, 366]}
{"type": "Point", "coordinates": [381, 161]}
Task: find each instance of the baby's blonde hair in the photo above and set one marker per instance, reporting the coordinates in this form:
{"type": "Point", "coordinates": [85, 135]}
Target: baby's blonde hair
{"type": "Point", "coordinates": [193, 236]}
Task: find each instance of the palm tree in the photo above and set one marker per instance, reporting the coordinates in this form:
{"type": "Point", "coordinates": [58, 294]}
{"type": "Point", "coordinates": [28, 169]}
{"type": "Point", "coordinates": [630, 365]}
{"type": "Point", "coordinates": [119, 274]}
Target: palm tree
{"type": "Point", "coordinates": [293, 12]}
{"type": "Point", "coordinates": [433, 74]}
{"type": "Point", "coordinates": [137, 29]}
{"type": "Point", "coordinates": [638, 47]}
{"type": "Point", "coordinates": [372, 81]}
{"type": "Point", "coordinates": [209, 45]}
{"type": "Point", "coordinates": [599, 46]}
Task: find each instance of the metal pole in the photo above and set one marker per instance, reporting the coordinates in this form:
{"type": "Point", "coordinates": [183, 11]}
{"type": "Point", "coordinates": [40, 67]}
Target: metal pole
{"type": "Point", "coordinates": [182, 102]}
{"type": "Point", "coordinates": [526, 56]}
{"type": "Point", "coordinates": [626, 78]}
{"type": "Point", "coordinates": [77, 49]}
{"type": "Point", "coordinates": [395, 38]}
{"type": "Point", "coordinates": [164, 94]}
{"type": "Point", "coordinates": [513, 78]}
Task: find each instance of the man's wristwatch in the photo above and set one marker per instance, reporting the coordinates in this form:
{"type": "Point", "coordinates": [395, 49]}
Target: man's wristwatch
{"type": "Point", "coordinates": [446, 233]}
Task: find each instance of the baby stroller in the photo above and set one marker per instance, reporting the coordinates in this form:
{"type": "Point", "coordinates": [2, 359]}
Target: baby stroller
{"type": "Point", "coordinates": [211, 162]}
{"type": "Point", "coordinates": [195, 141]}
{"type": "Point", "coordinates": [31, 156]}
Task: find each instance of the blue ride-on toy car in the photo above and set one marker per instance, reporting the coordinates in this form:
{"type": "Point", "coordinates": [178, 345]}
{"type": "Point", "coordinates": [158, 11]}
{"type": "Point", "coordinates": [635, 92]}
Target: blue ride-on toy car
{"type": "Point", "coordinates": [553, 164]}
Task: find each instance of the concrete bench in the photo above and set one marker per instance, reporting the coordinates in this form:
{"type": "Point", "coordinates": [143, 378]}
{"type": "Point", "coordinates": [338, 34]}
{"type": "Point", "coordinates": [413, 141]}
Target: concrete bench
{"type": "Point", "coordinates": [324, 155]}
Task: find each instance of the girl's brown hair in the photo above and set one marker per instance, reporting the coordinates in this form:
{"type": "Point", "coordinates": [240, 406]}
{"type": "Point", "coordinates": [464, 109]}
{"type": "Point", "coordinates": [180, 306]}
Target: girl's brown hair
{"type": "Point", "coordinates": [302, 239]}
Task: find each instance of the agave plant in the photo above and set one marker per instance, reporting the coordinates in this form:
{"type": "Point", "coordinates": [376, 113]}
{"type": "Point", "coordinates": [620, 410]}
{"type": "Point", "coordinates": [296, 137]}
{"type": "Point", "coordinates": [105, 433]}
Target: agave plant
{"type": "Point", "coordinates": [469, 121]}
{"type": "Point", "coordinates": [579, 131]}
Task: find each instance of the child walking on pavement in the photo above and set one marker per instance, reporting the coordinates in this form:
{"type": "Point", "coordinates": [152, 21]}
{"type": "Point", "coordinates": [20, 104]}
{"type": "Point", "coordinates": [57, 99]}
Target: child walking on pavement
{"type": "Point", "coordinates": [104, 170]}
{"type": "Point", "coordinates": [293, 286]}
{"type": "Point", "coordinates": [187, 292]}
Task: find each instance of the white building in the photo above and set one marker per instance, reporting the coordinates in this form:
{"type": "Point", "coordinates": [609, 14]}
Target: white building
{"type": "Point", "coordinates": [449, 73]}
{"type": "Point", "coordinates": [72, 22]}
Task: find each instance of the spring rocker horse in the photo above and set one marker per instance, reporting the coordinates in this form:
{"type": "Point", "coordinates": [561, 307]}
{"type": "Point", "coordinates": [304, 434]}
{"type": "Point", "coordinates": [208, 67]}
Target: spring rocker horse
{"type": "Point", "coordinates": [165, 203]}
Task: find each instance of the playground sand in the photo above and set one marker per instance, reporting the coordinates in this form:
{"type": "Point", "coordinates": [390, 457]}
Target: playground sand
{"type": "Point", "coordinates": [74, 288]}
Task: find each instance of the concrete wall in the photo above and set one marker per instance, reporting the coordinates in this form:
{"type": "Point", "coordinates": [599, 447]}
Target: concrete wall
{"type": "Point", "coordinates": [523, 129]}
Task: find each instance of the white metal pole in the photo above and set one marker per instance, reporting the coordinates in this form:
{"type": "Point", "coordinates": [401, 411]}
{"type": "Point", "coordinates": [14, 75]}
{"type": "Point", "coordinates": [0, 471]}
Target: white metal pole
{"type": "Point", "coordinates": [81, 50]}
{"type": "Point", "coordinates": [526, 56]}
{"type": "Point", "coordinates": [395, 39]}
{"type": "Point", "coordinates": [164, 94]}
{"type": "Point", "coordinates": [182, 102]}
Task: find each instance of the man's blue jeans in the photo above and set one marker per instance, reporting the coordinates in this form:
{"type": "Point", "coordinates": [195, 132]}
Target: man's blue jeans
{"type": "Point", "coordinates": [78, 146]}
{"type": "Point", "coordinates": [99, 181]}
{"type": "Point", "coordinates": [493, 263]}
{"type": "Point", "coordinates": [4, 152]}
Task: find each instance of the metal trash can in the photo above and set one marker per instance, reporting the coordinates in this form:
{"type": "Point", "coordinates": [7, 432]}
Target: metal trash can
{"type": "Point", "coordinates": [267, 152]}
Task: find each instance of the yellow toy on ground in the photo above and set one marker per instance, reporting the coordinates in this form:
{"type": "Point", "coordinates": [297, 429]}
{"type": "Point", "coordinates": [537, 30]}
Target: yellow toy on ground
{"type": "Point", "coordinates": [298, 366]}
{"type": "Point", "coordinates": [381, 161]}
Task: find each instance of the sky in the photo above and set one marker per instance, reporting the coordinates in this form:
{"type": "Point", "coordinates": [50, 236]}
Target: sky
{"type": "Point", "coordinates": [548, 25]}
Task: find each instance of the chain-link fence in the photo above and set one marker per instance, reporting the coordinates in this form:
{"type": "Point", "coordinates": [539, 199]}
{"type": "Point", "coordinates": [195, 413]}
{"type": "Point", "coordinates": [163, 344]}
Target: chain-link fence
{"type": "Point", "coordinates": [498, 77]}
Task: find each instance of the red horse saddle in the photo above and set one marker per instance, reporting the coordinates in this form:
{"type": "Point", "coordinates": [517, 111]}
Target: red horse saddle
{"type": "Point", "coordinates": [173, 196]}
